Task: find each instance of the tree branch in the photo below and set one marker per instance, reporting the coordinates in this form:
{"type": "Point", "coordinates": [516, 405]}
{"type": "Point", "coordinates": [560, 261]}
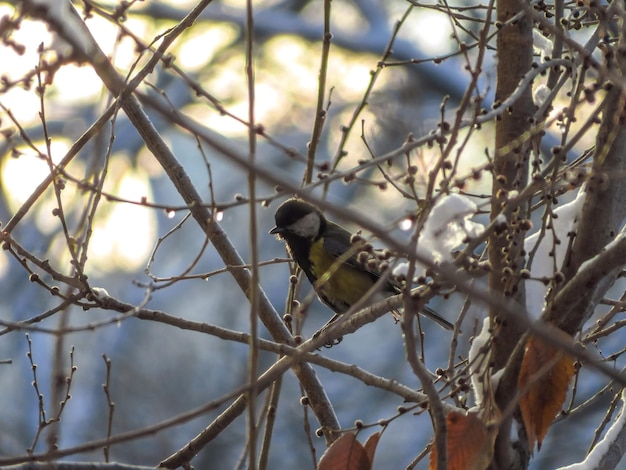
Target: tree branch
{"type": "Point", "coordinates": [71, 28]}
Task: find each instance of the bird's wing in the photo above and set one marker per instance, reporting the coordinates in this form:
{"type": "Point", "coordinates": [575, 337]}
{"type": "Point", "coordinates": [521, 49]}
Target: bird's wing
{"type": "Point", "coordinates": [337, 244]}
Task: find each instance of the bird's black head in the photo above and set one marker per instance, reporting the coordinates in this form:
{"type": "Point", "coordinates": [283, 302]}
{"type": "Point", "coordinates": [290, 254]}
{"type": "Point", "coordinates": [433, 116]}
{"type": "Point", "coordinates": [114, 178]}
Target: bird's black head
{"type": "Point", "coordinates": [295, 217]}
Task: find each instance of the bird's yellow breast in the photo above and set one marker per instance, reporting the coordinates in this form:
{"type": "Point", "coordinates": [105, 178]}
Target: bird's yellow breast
{"type": "Point", "coordinates": [335, 280]}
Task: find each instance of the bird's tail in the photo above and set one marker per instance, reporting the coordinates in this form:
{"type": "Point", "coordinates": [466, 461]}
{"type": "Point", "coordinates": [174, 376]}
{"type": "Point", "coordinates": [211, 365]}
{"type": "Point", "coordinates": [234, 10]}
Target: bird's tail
{"type": "Point", "coordinates": [428, 313]}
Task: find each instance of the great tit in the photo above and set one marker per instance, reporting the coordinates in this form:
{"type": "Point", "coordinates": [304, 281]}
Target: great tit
{"type": "Point", "coordinates": [324, 251]}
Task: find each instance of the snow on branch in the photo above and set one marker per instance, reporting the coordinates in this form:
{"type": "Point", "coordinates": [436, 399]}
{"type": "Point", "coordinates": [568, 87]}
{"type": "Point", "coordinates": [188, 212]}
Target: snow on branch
{"type": "Point", "coordinates": [607, 453]}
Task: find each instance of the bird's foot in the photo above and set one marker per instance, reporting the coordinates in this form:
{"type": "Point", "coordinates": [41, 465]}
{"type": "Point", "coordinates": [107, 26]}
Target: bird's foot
{"type": "Point", "coordinates": [331, 342]}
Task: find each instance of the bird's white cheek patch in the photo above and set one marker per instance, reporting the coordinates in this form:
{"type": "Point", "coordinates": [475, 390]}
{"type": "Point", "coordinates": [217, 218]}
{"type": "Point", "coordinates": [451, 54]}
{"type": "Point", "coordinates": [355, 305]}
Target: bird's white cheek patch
{"type": "Point", "coordinates": [307, 226]}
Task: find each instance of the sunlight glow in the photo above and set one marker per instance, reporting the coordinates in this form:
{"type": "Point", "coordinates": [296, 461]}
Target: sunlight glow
{"type": "Point", "coordinates": [405, 224]}
{"type": "Point", "coordinates": [346, 16]}
{"type": "Point", "coordinates": [30, 34]}
{"type": "Point", "coordinates": [222, 124]}
{"type": "Point", "coordinates": [431, 30]}
{"type": "Point", "coordinates": [74, 84]}
{"type": "Point", "coordinates": [124, 236]}
{"type": "Point", "coordinates": [351, 75]}
{"type": "Point", "coordinates": [198, 49]}
{"type": "Point", "coordinates": [23, 104]}
{"type": "Point", "coordinates": [106, 35]}
{"type": "Point", "coordinates": [297, 61]}
{"type": "Point", "coordinates": [20, 176]}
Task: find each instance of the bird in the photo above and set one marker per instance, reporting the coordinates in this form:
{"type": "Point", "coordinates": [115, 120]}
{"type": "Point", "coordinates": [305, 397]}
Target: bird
{"type": "Point", "coordinates": [328, 257]}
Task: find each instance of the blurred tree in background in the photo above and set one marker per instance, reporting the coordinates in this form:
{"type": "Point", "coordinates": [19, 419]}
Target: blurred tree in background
{"type": "Point", "coordinates": [148, 318]}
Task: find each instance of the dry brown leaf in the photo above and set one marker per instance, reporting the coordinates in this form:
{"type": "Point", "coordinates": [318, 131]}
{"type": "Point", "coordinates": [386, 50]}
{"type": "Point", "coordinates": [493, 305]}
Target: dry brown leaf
{"type": "Point", "coordinates": [470, 443]}
{"type": "Point", "coordinates": [544, 378]}
{"type": "Point", "coordinates": [346, 453]}
{"type": "Point", "coordinates": [370, 446]}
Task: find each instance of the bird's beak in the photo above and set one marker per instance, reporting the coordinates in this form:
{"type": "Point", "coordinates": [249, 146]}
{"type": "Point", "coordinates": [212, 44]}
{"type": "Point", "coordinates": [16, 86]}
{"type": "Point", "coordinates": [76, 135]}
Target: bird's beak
{"type": "Point", "coordinates": [276, 230]}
